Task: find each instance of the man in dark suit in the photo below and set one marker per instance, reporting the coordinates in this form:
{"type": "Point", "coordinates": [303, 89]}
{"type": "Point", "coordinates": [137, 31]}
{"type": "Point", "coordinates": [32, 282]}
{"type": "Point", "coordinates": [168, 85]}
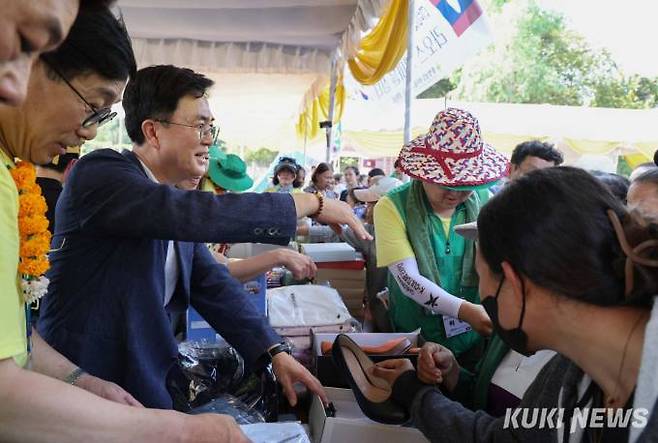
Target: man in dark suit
{"type": "Point", "coordinates": [129, 254]}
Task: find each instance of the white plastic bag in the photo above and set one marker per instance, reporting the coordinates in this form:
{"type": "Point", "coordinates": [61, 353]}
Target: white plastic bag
{"type": "Point", "coordinates": [305, 305]}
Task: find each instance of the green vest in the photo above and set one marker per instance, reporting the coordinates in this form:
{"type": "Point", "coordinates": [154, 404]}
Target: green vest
{"type": "Point", "coordinates": [456, 277]}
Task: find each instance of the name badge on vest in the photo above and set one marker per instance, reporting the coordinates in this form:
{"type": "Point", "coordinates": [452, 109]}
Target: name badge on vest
{"type": "Point", "coordinates": [454, 326]}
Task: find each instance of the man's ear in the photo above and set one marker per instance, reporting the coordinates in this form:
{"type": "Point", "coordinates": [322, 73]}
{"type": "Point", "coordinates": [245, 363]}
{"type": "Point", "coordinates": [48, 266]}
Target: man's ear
{"type": "Point", "coordinates": [150, 133]}
{"type": "Point", "coordinates": [513, 278]}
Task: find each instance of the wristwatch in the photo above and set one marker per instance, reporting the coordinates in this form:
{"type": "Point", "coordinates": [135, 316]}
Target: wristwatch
{"type": "Point", "coordinates": [277, 349]}
{"type": "Point", "coordinates": [267, 356]}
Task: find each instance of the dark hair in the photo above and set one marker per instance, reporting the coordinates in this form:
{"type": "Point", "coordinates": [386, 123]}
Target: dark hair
{"type": "Point", "coordinates": [154, 92]}
{"type": "Point", "coordinates": [320, 169]}
{"type": "Point", "coordinates": [535, 148]}
{"type": "Point", "coordinates": [552, 226]}
{"type": "Point", "coordinates": [98, 43]}
{"type": "Point", "coordinates": [288, 163]}
{"type": "Point", "coordinates": [648, 176]}
{"type": "Point", "coordinates": [353, 168]}
{"type": "Point", "coordinates": [352, 194]}
{"type": "Point", "coordinates": [615, 183]}
{"type": "Point", "coordinates": [375, 172]}
{"type": "Point", "coordinates": [298, 183]}
{"type": "Point", "coordinates": [655, 157]}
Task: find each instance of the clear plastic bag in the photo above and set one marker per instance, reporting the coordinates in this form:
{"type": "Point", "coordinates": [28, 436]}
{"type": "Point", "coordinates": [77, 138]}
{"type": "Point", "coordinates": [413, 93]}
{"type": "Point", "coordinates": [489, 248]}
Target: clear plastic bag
{"type": "Point", "coordinates": [289, 432]}
{"type": "Point", "coordinates": [212, 369]}
{"type": "Point", "coordinates": [229, 405]}
{"type": "Point", "coordinates": [208, 371]}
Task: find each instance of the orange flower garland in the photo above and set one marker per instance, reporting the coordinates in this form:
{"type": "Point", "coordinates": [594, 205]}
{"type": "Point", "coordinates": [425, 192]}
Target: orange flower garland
{"type": "Point", "coordinates": [33, 231]}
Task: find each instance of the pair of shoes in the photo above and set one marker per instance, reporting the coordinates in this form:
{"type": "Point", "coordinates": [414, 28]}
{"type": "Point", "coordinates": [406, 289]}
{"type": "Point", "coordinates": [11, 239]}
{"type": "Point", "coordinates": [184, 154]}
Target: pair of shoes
{"type": "Point", "coordinates": [395, 346]}
{"type": "Point", "coordinates": [373, 394]}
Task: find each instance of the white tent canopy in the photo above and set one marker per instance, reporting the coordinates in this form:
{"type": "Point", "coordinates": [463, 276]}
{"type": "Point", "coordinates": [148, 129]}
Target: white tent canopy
{"type": "Point", "coordinates": [265, 36]}
{"type": "Point", "coordinates": [377, 129]}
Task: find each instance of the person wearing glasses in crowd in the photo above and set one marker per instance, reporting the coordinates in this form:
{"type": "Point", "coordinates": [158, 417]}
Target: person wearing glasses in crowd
{"type": "Point", "coordinates": [39, 402]}
{"type": "Point", "coordinates": [133, 251]}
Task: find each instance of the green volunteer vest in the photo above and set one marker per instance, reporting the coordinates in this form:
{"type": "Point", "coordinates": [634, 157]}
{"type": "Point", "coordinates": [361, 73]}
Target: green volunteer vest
{"type": "Point", "coordinates": [456, 275]}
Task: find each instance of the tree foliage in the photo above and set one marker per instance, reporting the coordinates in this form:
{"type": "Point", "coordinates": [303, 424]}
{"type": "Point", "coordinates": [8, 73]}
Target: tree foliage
{"type": "Point", "coordinates": [261, 157]}
{"type": "Point", "coordinates": [544, 61]}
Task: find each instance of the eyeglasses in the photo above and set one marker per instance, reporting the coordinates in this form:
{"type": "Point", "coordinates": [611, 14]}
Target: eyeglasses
{"type": "Point", "coordinates": [98, 116]}
{"type": "Point", "coordinates": [205, 131]}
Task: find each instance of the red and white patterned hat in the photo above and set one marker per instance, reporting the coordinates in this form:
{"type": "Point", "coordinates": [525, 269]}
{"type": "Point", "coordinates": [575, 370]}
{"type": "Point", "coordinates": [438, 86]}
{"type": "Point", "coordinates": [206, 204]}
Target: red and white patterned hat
{"type": "Point", "coordinates": [453, 154]}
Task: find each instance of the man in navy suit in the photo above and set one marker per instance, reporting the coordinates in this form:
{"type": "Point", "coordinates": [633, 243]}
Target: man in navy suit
{"type": "Point", "coordinates": [129, 252]}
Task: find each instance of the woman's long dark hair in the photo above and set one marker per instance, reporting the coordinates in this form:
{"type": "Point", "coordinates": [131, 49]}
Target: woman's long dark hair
{"type": "Point", "coordinates": [321, 169]}
{"type": "Point", "coordinates": [553, 227]}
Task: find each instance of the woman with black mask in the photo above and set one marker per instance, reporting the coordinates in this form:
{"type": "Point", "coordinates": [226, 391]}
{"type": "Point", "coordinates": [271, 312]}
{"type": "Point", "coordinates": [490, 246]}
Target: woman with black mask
{"type": "Point", "coordinates": [562, 266]}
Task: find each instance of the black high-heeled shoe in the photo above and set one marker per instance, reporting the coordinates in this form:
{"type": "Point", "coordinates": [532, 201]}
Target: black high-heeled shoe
{"type": "Point", "coordinates": [373, 394]}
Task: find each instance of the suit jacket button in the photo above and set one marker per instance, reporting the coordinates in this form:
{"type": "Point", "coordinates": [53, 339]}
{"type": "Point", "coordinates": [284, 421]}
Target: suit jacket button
{"type": "Point", "coordinates": [272, 232]}
{"type": "Point", "coordinates": [258, 231]}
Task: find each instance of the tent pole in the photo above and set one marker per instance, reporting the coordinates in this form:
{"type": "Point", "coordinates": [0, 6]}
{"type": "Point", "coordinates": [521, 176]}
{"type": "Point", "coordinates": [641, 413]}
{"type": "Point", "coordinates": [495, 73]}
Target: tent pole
{"type": "Point", "coordinates": [305, 143]}
{"type": "Point", "coordinates": [408, 93]}
{"type": "Point", "coordinates": [332, 99]}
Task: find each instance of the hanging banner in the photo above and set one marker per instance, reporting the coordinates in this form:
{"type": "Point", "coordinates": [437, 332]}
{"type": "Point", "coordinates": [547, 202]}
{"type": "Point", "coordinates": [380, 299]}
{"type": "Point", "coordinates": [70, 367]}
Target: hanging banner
{"type": "Point", "coordinates": [447, 34]}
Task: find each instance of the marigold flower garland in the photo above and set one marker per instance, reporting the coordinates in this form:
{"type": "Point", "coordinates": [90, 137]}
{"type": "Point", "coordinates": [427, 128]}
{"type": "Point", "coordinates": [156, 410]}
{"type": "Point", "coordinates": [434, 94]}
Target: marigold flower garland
{"type": "Point", "coordinates": [33, 232]}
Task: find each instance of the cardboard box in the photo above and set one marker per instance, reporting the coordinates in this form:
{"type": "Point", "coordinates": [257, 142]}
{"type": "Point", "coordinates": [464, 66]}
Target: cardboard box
{"type": "Point", "coordinates": [329, 252]}
{"type": "Point", "coordinates": [347, 284]}
{"type": "Point", "coordinates": [340, 274]}
{"type": "Point", "coordinates": [356, 264]}
{"type": "Point", "coordinates": [351, 293]}
{"type": "Point", "coordinates": [324, 368]}
{"type": "Point", "coordinates": [350, 425]}
{"type": "Point", "coordinates": [353, 299]}
{"type": "Point", "coordinates": [199, 329]}
{"type": "Point", "coordinates": [246, 250]}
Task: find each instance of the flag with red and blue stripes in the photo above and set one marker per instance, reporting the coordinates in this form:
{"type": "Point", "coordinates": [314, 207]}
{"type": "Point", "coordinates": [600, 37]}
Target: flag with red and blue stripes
{"type": "Point", "coordinates": [469, 11]}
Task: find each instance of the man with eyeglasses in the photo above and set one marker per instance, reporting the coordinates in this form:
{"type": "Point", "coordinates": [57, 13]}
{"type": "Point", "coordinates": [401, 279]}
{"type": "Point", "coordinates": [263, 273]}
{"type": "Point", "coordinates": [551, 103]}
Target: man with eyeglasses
{"type": "Point", "coordinates": [95, 60]}
{"type": "Point", "coordinates": [27, 29]}
{"type": "Point", "coordinates": [133, 252]}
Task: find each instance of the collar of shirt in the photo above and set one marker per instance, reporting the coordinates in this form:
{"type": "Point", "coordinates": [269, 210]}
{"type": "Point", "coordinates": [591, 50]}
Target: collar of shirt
{"type": "Point", "coordinates": [149, 173]}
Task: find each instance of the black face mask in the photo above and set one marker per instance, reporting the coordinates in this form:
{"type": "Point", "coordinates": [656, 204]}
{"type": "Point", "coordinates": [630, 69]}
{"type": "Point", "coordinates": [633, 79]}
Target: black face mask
{"type": "Point", "coordinates": [515, 338]}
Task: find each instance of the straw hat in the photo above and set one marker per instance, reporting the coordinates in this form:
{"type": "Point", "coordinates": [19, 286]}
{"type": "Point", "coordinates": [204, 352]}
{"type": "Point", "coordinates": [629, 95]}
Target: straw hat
{"type": "Point", "coordinates": [452, 154]}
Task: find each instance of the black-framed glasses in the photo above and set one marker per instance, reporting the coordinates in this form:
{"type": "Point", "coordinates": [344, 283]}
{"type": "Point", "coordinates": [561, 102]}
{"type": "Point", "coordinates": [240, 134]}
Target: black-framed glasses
{"type": "Point", "coordinates": [205, 131]}
{"type": "Point", "coordinates": [98, 116]}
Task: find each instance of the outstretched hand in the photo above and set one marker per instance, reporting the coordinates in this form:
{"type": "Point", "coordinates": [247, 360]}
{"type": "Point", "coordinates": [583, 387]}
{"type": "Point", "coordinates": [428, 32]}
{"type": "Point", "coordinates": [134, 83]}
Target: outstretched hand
{"type": "Point", "coordinates": [289, 371]}
{"type": "Point", "coordinates": [336, 213]}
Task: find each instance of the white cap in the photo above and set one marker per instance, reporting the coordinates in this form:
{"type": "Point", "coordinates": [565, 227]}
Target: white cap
{"type": "Point", "coordinates": [379, 188]}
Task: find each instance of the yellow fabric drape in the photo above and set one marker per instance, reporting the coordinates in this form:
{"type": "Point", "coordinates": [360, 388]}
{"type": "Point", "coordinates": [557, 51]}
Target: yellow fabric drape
{"type": "Point", "coordinates": [317, 110]}
{"type": "Point", "coordinates": [381, 50]}
{"type": "Point", "coordinates": [634, 160]}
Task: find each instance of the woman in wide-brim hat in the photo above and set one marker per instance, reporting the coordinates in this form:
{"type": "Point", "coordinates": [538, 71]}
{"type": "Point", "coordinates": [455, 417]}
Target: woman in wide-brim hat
{"type": "Point", "coordinates": [432, 282]}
